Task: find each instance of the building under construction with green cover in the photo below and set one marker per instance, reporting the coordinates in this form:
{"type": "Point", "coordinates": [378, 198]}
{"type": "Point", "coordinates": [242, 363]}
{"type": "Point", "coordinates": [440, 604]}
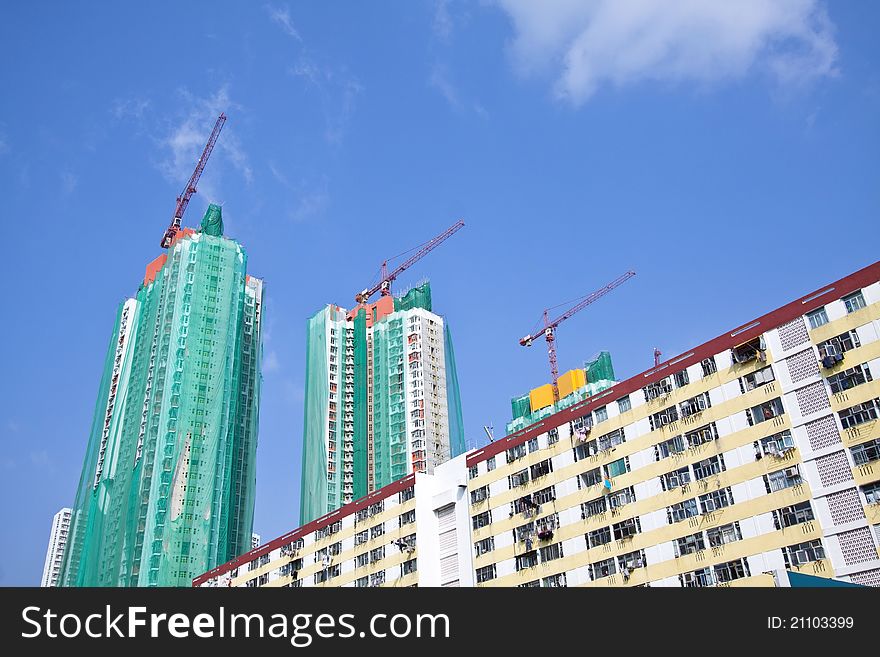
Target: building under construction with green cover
{"type": "Point", "coordinates": [381, 399]}
{"type": "Point", "coordinates": [168, 481]}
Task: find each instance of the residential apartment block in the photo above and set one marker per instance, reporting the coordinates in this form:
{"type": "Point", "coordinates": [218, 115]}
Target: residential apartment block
{"type": "Point", "coordinates": [381, 399]}
{"type": "Point", "coordinates": [55, 551]}
{"type": "Point", "coordinates": [753, 454]}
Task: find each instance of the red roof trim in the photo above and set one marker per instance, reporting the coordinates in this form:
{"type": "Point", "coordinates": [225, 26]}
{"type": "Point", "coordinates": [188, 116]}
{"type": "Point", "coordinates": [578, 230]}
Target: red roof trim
{"type": "Point", "coordinates": [744, 333]}
{"type": "Point", "coordinates": [324, 521]}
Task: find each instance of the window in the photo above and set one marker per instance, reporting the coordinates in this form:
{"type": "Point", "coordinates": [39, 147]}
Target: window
{"type": "Point", "coordinates": [756, 379]}
{"type": "Point", "coordinates": [676, 478]}
{"type": "Point", "coordinates": [727, 572]}
{"type": "Point", "coordinates": [681, 378]}
{"type": "Point", "coordinates": [749, 351]}
{"type": "Point", "coordinates": [802, 553]}
{"type": "Point", "coordinates": [817, 318]}
{"type": "Point", "coordinates": [377, 554]}
{"type": "Point", "coordinates": [490, 464]}
{"type": "Point", "coordinates": [796, 514]}
{"type": "Point", "coordinates": [778, 444]}
{"type": "Point", "coordinates": [618, 467]}
{"type": "Point", "coordinates": [785, 478]}
{"type": "Point", "coordinates": [377, 579]}
{"type": "Point", "coordinates": [708, 467]}
{"type": "Point", "coordinates": [526, 560]}
{"type": "Point", "coordinates": [362, 560]}
{"type": "Point", "coordinates": [697, 579]}
{"type": "Point", "coordinates": [717, 499]}
{"type": "Point", "coordinates": [872, 493]}
{"type": "Point", "coordinates": [669, 447]}
{"type": "Point", "coordinates": [657, 389]}
{"type": "Point", "coordinates": [590, 478]}
{"type": "Point", "coordinates": [544, 495]}
{"type": "Point", "coordinates": [554, 581]}
{"type": "Point", "coordinates": [360, 538]}
{"type": "Point", "coordinates": [482, 520]}
{"type": "Point", "coordinates": [515, 453]}
{"type": "Point", "coordinates": [552, 436]}
{"type": "Point", "coordinates": [484, 546]}
{"type": "Point", "coordinates": [709, 366]}
{"type": "Point", "coordinates": [724, 534]}
{"type": "Point", "coordinates": [858, 414]}
{"type": "Point", "coordinates": [603, 568]}
{"type": "Point", "coordinates": [626, 529]}
{"type": "Point", "coordinates": [534, 584]}
{"type": "Point", "coordinates": [541, 468]}
{"type": "Point", "coordinates": [520, 478]}
{"type": "Point", "coordinates": [682, 511]}
{"type": "Point", "coordinates": [702, 435]}
{"type": "Point", "coordinates": [599, 537]}
{"type": "Point", "coordinates": [362, 582]}
{"type": "Point", "coordinates": [478, 495]}
{"type": "Point", "coordinates": [327, 573]}
{"type": "Point", "coordinates": [631, 560]}
{"type": "Point", "coordinates": [839, 345]}
{"type": "Point", "coordinates": [601, 414]}
{"type": "Point", "coordinates": [854, 301]}
{"type": "Point", "coordinates": [532, 444]}
{"type": "Point", "coordinates": [866, 452]}
{"type": "Point", "coordinates": [472, 472]}
{"type": "Point", "coordinates": [593, 508]}
{"type": "Point", "coordinates": [585, 450]}
{"type": "Point", "coordinates": [850, 378]}
{"type": "Point", "coordinates": [611, 440]}
{"type": "Point", "coordinates": [551, 552]}
{"type": "Point", "coordinates": [766, 411]}
{"type": "Point", "coordinates": [624, 404]}
{"type": "Point", "coordinates": [689, 544]}
{"type": "Point", "coordinates": [407, 518]}
{"type": "Point", "coordinates": [377, 531]}
{"type": "Point", "coordinates": [408, 567]}
{"type": "Point", "coordinates": [622, 497]}
{"type": "Point", "coordinates": [664, 417]}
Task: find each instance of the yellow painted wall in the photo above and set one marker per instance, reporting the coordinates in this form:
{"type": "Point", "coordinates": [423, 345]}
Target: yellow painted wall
{"type": "Point", "coordinates": [541, 397]}
{"type": "Point", "coordinates": [571, 381]}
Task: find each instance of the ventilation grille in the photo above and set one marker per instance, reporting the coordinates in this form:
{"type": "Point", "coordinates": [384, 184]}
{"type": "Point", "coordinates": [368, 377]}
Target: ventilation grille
{"type": "Point", "coordinates": [834, 469]}
{"type": "Point", "coordinates": [802, 365]}
{"type": "Point", "coordinates": [812, 398]}
{"type": "Point", "coordinates": [857, 546]}
{"type": "Point", "coordinates": [845, 506]}
{"type": "Point", "coordinates": [867, 578]}
{"type": "Point", "coordinates": [793, 333]}
{"type": "Point", "coordinates": [823, 433]}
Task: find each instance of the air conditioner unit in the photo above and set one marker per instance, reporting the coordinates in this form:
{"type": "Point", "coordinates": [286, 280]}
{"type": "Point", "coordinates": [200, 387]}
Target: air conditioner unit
{"type": "Point", "coordinates": [792, 472]}
{"type": "Point", "coordinates": [801, 556]}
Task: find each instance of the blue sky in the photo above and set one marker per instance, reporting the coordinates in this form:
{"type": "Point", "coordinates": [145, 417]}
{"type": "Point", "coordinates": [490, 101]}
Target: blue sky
{"type": "Point", "coordinates": [728, 155]}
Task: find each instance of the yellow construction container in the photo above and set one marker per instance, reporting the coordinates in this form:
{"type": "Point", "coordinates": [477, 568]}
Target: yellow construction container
{"type": "Point", "coordinates": [571, 381]}
{"type": "Point", "coordinates": [541, 397]}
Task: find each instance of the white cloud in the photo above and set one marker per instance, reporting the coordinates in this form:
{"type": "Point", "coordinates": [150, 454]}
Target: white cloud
{"type": "Point", "coordinates": [270, 362]}
{"type": "Point", "coordinates": [443, 24]}
{"type": "Point", "coordinates": [442, 82]}
{"type": "Point", "coordinates": [130, 107]}
{"type": "Point", "coordinates": [281, 17]}
{"type": "Point", "coordinates": [586, 44]}
{"type": "Point", "coordinates": [186, 139]}
{"type": "Point", "coordinates": [69, 181]}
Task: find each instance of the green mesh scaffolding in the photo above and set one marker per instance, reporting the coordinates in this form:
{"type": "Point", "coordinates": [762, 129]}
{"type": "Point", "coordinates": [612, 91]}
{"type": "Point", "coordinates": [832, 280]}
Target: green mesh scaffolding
{"type": "Point", "coordinates": [313, 483]}
{"type": "Point", "coordinates": [600, 376]}
{"type": "Point", "coordinates": [168, 481]}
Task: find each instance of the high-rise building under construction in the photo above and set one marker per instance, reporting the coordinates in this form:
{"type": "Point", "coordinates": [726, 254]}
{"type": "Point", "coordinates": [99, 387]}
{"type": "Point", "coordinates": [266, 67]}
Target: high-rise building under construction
{"type": "Point", "coordinates": [167, 485]}
{"type": "Point", "coordinates": [381, 399]}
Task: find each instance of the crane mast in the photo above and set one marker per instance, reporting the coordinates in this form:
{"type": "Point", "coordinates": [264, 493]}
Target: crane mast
{"type": "Point", "coordinates": [190, 189]}
{"type": "Point", "coordinates": [549, 330]}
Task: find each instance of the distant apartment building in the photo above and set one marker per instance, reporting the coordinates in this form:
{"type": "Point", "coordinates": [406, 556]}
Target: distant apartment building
{"type": "Point", "coordinates": [747, 458]}
{"type": "Point", "coordinates": [168, 480]}
{"type": "Point", "coordinates": [256, 539]}
{"type": "Point", "coordinates": [381, 399]}
{"type": "Point", "coordinates": [55, 551]}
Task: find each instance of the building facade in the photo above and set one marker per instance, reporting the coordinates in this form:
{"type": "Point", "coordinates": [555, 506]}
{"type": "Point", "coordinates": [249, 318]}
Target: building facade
{"type": "Point", "coordinates": [55, 551]}
{"type": "Point", "coordinates": [747, 458]}
{"type": "Point", "coordinates": [413, 532]}
{"type": "Point", "coordinates": [167, 485]}
{"type": "Point", "coordinates": [381, 399]}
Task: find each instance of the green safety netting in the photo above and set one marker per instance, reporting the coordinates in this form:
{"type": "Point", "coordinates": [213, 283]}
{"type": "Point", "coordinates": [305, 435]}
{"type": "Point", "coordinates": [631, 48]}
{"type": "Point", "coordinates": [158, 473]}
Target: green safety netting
{"type": "Point", "coordinates": [453, 398]}
{"type": "Point", "coordinates": [168, 481]}
{"type": "Point", "coordinates": [600, 376]}
{"type": "Point", "coordinates": [313, 482]}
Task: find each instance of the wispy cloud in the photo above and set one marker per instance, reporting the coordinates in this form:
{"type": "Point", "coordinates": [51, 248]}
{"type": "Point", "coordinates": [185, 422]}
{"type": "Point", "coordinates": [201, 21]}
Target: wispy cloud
{"type": "Point", "coordinates": [281, 17]}
{"type": "Point", "coordinates": [443, 24]}
{"type": "Point", "coordinates": [134, 108]}
{"type": "Point", "coordinates": [443, 28]}
{"type": "Point", "coordinates": [441, 81]}
{"type": "Point", "coordinates": [69, 182]}
{"type": "Point", "coordinates": [595, 43]}
{"type": "Point", "coordinates": [337, 90]}
{"type": "Point", "coordinates": [185, 139]}
{"type": "Point", "coordinates": [313, 200]}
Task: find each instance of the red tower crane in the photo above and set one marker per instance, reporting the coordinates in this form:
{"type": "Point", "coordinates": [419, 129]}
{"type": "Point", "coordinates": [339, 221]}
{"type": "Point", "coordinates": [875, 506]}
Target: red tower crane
{"type": "Point", "coordinates": [385, 278]}
{"type": "Point", "coordinates": [549, 330]}
{"type": "Point", "coordinates": [190, 189]}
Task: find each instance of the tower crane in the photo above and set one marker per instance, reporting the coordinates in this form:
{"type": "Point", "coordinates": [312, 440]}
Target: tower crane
{"type": "Point", "coordinates": [386, 278]}
{"type": "Point", "coordinates": [190, 189]}
{"type": "Point", "coordinates": [549, 330]}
